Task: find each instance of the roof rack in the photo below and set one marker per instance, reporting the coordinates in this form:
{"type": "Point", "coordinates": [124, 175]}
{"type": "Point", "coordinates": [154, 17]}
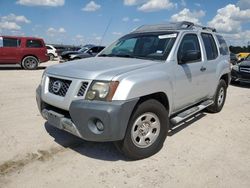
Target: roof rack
{"type": "Point", "coordinates": [172, 26]}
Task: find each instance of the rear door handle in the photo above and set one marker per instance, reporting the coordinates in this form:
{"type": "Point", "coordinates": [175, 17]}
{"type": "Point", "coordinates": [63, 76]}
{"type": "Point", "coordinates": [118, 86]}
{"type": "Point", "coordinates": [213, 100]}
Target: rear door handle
{"type": "Point", "coordinates": [203, 69]}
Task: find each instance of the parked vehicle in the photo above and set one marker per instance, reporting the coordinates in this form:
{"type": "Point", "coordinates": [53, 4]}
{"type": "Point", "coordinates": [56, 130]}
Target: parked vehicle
{"type": "Point", "coordinates": [241, 71]}
{"type": "Point", "coordinates": [67, 55]}
{"type": "Point", "coordinates": [52, 52]}
{"type": "Point", "coordinates": [63, 48]}
{"type": "Point", "coordinates": [139, 87]}
{"type": "Point", "coordinates": [91, 52]}
{"type": "Point", "coordinates": [29, 52]}
{"type": "Point", "coordinates": [241, 56]}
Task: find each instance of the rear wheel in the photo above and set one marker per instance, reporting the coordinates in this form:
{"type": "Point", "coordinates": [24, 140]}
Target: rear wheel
{"type": "Point", "coordinates": [51, 57]}
{"type": "Point", "coordinates": [219, 98]}
{"type": "Point", "coordinates": [146, 132]}
{"type": "Point", "coordinates": [30, 63]}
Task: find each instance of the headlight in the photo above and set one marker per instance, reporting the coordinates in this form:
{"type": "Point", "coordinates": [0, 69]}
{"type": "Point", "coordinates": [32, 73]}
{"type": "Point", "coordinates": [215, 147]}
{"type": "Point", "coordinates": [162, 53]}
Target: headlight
{"type": "Point", "coordinates": [43, 78]}
{"type": "Point", "coordinates": [236, 68]}
{"type": "Point", "coordinates": [100, 90]}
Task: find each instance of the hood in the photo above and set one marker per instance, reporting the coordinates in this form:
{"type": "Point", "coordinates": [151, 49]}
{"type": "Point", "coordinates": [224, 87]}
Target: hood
{"type": "Point", "coordinates": [245, 63]}
{"type": "Point", "coordinates": [70, 52]}
{"type": "Point", "coordinates": [100, 68]}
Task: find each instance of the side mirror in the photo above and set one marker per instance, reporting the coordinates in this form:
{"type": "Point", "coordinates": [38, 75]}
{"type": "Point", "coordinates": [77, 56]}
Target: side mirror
{"type": "Point", "coordinates": [90, 51]}
{"type": "Point", "coordinates": [189, 56]}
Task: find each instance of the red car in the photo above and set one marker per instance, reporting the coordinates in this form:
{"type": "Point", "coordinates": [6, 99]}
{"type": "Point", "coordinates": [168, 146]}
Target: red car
{"type": "Point", "coordinates": [29, 52]}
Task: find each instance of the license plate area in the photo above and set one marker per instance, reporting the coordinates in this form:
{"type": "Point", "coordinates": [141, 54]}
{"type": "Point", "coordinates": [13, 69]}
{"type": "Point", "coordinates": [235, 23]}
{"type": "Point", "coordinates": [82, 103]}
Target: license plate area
{"type": "Point", "coordinates": [55, 119]}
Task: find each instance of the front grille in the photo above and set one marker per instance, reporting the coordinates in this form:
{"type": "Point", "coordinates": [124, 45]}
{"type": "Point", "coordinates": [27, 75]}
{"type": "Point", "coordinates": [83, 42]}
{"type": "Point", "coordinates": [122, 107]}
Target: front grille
{"type": "Point", "coordinates": [82, 89]}
{"type": "Point", "coordinates": [245, 69]}
{"type": "Point", "coordinates": [59, 86]}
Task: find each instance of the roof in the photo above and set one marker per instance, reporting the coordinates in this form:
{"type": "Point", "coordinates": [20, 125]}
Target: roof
{"type": "Point", "coordinates": [8, 36]}
{"type": "Point", "coordinates": [172, 26]}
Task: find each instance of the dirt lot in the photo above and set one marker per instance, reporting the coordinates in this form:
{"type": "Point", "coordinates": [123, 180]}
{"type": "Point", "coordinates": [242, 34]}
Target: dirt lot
{"type": "Point", "coordinates": [213, 150]}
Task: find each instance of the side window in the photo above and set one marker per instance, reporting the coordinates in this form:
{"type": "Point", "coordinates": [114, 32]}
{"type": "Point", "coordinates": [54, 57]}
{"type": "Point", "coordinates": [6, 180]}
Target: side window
{"type": "Point", "coordinates": [100, 49]}
{"type": "Point", "coordinates": [189, 49]}
{"type": "Point", "coordinates": [95, 49]}
{"type": "Point", "coordinates": [11, 42]}
{"type": "Point", "coordinates": [210, 46]}
{"type": "Point", "coordinates": [34, 44]}
{"type": "Point", "coordinates": [223, 45]}
{"type": "Point", "coordinates": [48, 48]}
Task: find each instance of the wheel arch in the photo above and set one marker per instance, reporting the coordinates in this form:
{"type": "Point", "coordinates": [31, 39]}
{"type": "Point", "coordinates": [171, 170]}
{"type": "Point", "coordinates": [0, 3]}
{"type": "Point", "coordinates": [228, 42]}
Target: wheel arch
{"type": "Point", "coordinates": [159, 96]}
{"type": "Point", "coordinates": [31, 55]}
{"type": "Point", "coordinates": [226, 78]}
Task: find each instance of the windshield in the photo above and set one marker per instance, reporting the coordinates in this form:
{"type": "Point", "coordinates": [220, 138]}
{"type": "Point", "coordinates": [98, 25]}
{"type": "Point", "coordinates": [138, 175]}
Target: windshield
{"type": "Point", "coordinates": [153, 46]}
{"type": "Point", "coordinates": [83, 49]}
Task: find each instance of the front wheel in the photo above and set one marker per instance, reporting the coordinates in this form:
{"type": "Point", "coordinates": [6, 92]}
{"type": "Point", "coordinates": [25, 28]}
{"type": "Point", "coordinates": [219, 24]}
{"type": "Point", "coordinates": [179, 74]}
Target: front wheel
{"type": "Point", "coordinates": [146, 132]}
{"type": "Point", "coordinates": [219, 98]}
{"type": "Point", "coordinates": [30, 63]}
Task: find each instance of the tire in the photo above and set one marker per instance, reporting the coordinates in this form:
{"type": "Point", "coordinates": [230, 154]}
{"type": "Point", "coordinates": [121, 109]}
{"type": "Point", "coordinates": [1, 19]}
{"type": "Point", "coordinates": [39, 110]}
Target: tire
{"type": "Point", "coordinates": [145, 140]}
{"type": "Point", "coordinates": [30, 63]}
{"type": "Point", "coordinates": [51, 57]}
{"type": "Point", "coordinates": [219, 98]}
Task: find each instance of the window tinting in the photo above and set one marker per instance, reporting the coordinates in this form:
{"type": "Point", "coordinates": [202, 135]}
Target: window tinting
{"type": "Point", "coordinates": [153, 46]}
{"type": "Point", "coordinates": [34, 44]}
{"type": "Point", "coordinates": [223, 45]}
{"type": "Point", "coordinates": [11, 42]}
{"type": "Point", "coordinates": [189, 42]}
{"type": "Point", "coordinates": [210, 46]}
{"type": "Point", "coordinates": [96, 49]}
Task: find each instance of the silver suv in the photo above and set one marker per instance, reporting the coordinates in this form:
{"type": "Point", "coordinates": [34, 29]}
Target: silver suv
{"type": "Point", "coordinates": [136, 89]}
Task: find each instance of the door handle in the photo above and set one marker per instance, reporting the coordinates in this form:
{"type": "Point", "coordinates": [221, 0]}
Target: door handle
{"type": "Point", "coordinates": [203, 69]}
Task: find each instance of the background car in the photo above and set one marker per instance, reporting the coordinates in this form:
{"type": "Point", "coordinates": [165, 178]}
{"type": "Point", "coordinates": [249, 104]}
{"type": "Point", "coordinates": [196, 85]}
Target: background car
{"type": "Point", "coordinates": [91, 52]}
{"type": "Point", "coordinates": [29, 52]}
{"type": "Point", "coordinates": [241, 71]}
{"type": "Point", "coordinates": [52, 52]}
{"type": "Point", "coordinates": [65, 56]}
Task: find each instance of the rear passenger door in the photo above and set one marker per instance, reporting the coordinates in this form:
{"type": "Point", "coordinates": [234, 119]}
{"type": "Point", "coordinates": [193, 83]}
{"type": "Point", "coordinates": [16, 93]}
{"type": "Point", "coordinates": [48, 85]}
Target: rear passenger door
{"type": "Point", "coordinates": [190, 81]}
{"type": "Point", "coordinates": [211, 61]}
{"type": "Point", "coordinates": [34, 47]}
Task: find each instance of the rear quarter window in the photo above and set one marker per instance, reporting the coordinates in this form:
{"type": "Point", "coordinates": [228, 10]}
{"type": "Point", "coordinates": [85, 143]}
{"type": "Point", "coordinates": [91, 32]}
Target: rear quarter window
{"type": "Point", "coordinates": [210, 46]}
{"type": "Point", "coordinates": [223, 45]}
{"type": "Point", "coordinates": [11, 42]}
{"type": "Point", "coordinates": [30, 43]}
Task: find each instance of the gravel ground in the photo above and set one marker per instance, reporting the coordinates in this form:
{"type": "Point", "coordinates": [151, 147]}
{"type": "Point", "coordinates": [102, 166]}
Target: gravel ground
{"type": "Point", "coordinates": [212, 150]}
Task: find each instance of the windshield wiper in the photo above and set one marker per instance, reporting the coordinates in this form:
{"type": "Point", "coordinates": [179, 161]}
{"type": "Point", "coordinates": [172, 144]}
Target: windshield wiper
{"type": "Point", "coordinates": [116, 55]}
{"type": "Point", "coordinates": [124, 55]}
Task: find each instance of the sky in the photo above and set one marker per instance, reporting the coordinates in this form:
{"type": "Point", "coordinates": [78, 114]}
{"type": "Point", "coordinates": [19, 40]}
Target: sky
{"type": "Point", "coordinates": [80, 22]}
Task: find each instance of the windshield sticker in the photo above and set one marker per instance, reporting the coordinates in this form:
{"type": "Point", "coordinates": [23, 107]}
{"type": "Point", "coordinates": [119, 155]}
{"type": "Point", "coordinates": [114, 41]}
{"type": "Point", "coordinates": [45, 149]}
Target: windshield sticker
{"type": "Point", "coordinates": [174, 35]}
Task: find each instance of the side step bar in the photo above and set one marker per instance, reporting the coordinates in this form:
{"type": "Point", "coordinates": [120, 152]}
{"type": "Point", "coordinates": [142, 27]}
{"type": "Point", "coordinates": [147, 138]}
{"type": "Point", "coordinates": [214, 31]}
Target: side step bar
{"type": "Point", "coordinates": [191, 111]}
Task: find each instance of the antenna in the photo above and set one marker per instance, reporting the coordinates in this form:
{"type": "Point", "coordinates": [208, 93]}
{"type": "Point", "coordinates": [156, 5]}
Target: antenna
{"type": "Point", "coordinates": [107, 27]}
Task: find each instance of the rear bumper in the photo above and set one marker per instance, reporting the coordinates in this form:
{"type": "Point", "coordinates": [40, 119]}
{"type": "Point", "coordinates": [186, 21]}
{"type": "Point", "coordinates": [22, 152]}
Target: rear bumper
{"type": "Point", "coordinates": [85, 117]}
{"type": "Point", "coordinates": [44, 59]}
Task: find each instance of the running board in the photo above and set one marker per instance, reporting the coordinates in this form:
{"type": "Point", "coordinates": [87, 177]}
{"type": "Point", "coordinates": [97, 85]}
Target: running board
{"type": "Point", "coordinates": [191, 111]}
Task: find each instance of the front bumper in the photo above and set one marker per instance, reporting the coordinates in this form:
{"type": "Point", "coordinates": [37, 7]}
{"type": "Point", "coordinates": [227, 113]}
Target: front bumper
{"type": "Point", "coordinates": [239, 76]}
{"type": "Point", "coordinates": [83, 117]}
